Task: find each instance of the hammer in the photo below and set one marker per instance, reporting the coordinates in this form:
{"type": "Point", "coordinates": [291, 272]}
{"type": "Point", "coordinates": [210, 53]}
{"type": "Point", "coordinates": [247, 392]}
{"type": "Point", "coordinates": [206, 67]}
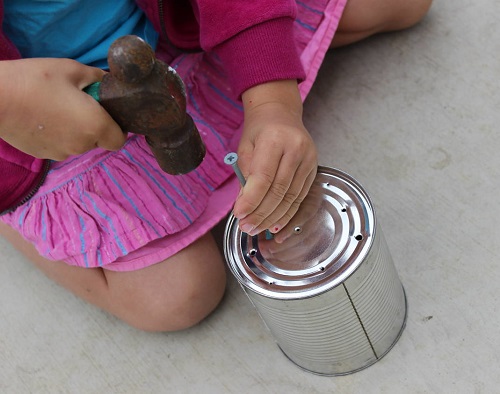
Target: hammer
{"type": "Point", "coordinates": [146, 96]}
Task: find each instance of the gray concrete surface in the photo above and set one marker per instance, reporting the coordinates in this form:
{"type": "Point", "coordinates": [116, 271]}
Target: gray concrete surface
{"type": "Point", "coordinates": [414, 117]}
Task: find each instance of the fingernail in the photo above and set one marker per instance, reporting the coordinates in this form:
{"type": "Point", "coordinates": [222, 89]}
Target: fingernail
{"type": "Point", "coordinates": [239, 216]}
{"type": "Point", "coordinates": [274, 229]}
{"type": "Point", "coordinates": [247, 228]}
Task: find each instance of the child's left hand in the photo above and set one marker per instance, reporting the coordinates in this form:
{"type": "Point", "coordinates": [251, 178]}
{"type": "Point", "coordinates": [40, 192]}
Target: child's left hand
{"type": "Point", "coordinates": [277, 157]}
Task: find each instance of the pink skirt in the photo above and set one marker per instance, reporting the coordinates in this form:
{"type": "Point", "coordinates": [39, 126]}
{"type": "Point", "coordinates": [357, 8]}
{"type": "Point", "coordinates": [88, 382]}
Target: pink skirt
{"type": "Point", "coordinates": [119, 211]}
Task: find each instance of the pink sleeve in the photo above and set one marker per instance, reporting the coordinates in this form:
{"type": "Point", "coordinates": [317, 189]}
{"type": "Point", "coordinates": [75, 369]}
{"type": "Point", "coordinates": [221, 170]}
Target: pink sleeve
{"type": "Point", "coordinates": [254, 39]}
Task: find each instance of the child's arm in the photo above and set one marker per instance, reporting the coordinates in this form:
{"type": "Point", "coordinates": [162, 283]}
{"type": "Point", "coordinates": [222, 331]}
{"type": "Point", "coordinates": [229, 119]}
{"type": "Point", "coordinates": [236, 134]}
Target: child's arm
{"type": "Point", "coordinates": [277, 156]}
{"type": "Point", "coordinates": [43, 111]}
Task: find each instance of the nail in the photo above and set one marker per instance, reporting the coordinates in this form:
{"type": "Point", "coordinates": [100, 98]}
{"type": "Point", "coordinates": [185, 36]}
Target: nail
{"type": "Point", "coordinates": [232, 159]}
{"type": "Point", "coordinates": [247, 228]}
{"type": "Point", "coordinates": [239, 215]}
{"type": "Point", "coordinates": [274, 229]}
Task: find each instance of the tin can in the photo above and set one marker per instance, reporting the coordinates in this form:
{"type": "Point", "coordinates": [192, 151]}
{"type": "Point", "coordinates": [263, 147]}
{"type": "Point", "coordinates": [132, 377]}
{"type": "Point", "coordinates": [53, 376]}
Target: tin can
{"type": "Point", "coordinates": [329, 293]}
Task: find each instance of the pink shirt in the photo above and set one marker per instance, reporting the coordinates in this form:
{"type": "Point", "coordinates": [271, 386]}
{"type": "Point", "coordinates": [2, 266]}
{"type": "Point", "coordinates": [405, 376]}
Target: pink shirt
{"type": "Point", "coordinates": [254, 41]}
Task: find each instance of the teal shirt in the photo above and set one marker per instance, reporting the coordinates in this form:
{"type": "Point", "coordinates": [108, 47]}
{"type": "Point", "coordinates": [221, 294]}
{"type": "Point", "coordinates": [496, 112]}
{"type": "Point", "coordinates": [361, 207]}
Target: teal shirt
{"type": "Point", "coordinates": [77, 29]}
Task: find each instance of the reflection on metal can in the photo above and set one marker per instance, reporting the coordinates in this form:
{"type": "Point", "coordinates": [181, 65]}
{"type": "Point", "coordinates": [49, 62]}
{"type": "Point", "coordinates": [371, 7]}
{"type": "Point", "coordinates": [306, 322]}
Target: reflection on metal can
{"type": "Point", "coordinates": [329, 293]}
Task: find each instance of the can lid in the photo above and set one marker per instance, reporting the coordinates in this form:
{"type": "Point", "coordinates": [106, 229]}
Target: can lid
{"type": "Point", "coordinates": [327, 239]}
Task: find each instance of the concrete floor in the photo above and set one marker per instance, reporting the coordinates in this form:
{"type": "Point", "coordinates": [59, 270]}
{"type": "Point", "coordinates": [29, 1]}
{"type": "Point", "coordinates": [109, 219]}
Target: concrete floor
{"type": "Point", "coordinates": [414, 117]}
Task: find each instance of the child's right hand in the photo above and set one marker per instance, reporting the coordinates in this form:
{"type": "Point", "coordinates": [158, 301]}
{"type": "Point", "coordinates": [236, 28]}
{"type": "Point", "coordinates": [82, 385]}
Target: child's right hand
{"type": "Point", "coordinates": [45, 113]}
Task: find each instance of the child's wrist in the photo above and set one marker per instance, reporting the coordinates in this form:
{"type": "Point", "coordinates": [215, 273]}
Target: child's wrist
{"type": "Point", "coordinates": [283, 93]}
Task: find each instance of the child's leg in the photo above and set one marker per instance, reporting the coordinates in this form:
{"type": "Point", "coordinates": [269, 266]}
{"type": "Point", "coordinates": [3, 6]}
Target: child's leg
{"type": "Point", "coordinates": [171, 295]}
{"type": "Point", "coordinates": [364, 18]}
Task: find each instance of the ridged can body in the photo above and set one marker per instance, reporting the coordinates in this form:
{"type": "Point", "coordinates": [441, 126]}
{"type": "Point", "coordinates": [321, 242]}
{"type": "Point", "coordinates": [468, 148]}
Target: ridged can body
{"type": "Point", "coordinates": [329, 294]}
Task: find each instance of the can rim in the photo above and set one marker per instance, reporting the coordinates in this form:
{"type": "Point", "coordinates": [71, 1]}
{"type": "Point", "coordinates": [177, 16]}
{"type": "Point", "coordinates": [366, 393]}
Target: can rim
{"type": "Point", "coordinates": [246, 276]}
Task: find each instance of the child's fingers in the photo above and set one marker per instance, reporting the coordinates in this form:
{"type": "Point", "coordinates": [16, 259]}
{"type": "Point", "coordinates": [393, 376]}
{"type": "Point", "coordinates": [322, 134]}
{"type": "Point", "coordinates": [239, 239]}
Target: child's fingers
{"type": "Point", "coordinates": [109, 135]}
{"type": "Point", "coordinates": [279, 221]}
{"type": "Point", "coordinates": [263, 167]}
{"type": "Point", "coordinates": [283, 193]}
{"type": "Point", "coordinates": [291, 183]}
{"type": "Point", "coordinates": [112, 138]}
{"type": "Point", "coordinates": [295, 218]}
{"type": "Point", "coordinates": [86, 75]}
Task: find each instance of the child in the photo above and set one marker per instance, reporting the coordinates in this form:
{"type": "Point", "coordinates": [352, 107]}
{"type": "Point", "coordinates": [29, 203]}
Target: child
{"type": "Point", "coordinates": [101, 219]}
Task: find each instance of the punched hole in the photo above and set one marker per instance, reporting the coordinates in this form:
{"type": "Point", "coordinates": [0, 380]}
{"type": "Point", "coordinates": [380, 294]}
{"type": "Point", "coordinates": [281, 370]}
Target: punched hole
{"type": "Point", "coordinates": [358, 237]}
{"type": "Point", "coordinates": [252, 252]}
{"type": "Point", "coordinates": [344, 209]}
{"type": "Point", "coordinates": [321, 268]}
{"type": "Point", "coordinates": [297, 230]}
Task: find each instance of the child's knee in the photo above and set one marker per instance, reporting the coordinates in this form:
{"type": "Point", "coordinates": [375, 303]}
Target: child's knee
{"type": "Point", "coordinates": [416, 11]}
{"type": "Point", "coordinates": [182, 306]}
{"type": "Point", "coordinates": [192, 304]}
{"type": "Point", "coordinates": [376, 16]}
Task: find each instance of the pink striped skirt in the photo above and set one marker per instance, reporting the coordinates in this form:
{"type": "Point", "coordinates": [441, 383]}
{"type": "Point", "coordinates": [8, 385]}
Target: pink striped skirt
{"type": "Point", "coordinates": [119, 211]}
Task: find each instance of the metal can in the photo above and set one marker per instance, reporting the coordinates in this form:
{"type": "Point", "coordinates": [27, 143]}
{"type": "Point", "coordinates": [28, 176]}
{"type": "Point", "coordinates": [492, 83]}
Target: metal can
{"type": "Point", "coordinates": [329, 293]}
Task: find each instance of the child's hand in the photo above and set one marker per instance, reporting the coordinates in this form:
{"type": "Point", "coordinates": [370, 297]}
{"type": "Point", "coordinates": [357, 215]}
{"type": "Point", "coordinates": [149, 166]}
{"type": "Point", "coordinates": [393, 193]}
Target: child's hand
{"type": "Point", "coordinates": [277, 156]}
{"type": "Point", "coordinates": [43, 111]}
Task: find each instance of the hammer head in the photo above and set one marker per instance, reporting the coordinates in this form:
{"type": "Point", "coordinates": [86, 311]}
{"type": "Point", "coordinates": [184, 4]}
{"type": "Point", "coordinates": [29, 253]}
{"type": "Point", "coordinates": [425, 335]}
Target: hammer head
{"type": "Point", "coordinates": [146, 96]}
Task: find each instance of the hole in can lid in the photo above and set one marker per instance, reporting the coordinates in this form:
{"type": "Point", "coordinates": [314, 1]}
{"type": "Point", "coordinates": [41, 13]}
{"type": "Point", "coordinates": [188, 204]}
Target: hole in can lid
{"type": "Point", "coordinates": [358, 237]}
{"type": "Point", "coordinates": [252, 252]}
